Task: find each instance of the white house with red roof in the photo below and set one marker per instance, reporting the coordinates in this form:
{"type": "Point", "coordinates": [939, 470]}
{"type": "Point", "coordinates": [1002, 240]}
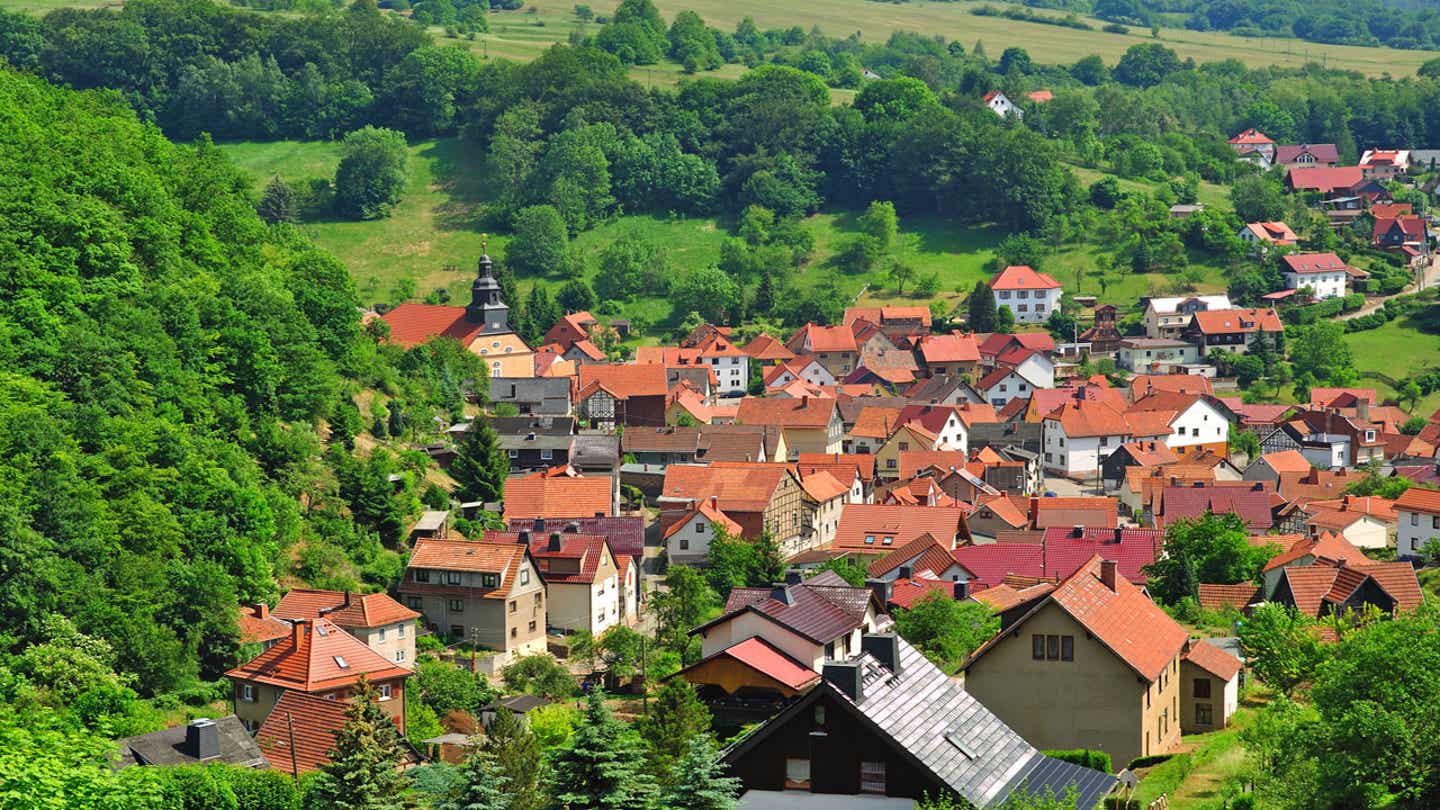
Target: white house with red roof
{"type": "Point", "coordinates": [588, 586]}
{"type": "Point", "coordinates": [1326, 274]}
{"type": "Point", "coordinates": [1262, 234]}
{"type": "Point", "coordinates": [385, 625]}
{"type": "Point", "coordinates": [1254, 146]}
{"type": "Point", "coordinates": [1080, 434]}
{"type": "Point", "coordinates": [1384, 164]}
{"type": "Point", "coordinates": [1418, 511]}
{"type": "Point", "coordinates": [1029, 294]}
{"type": "Point", "coordinates": [996, 102]}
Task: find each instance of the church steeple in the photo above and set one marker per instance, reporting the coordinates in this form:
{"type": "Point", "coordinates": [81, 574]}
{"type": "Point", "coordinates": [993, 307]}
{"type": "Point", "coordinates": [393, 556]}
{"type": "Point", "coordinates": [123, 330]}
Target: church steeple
{"type": "Point", "coordinates": [485, 304]}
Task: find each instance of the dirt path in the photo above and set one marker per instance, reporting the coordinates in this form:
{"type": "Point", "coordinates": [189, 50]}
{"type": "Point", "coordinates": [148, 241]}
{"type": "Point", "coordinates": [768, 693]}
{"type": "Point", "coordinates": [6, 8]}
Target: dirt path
{"type": "Point", "coordinates": [1428, 279]}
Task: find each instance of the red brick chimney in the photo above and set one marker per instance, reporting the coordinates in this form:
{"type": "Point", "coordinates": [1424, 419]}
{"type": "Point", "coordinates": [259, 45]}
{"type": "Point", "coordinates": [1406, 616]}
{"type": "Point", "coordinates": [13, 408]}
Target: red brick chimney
{"type": "Point", "coordinates": [297, 631]}
{"type": "Point", "coordinates": [1107, 573]}
{"type": "Point", "coordinates": [262, 610]}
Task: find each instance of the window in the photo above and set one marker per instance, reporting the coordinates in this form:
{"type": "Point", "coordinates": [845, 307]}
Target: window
{"type": "Point", "coordinates": [889, 463]}
{"type": "Point", "coordinates": [539, 598]}
{"type": "Point", "coordinates": [872, 777]}
{"type": "Point", "coordinates": [904, 446]}
{"type": "Point", "coordinates": [247, 693]}
{"type": "Point", "coordinates": [1414, 519]}
{"type": "Point", "coordinates": [456, 605]}
{"type": "Point", "coordinates": [386, 691]}
{"type": "Point", "coordinates": [1023, 294]}
{"type": "Point", "coordinates": [457, 631]}
{"type": "Point", "coordinates": [1067, 648]}
{"type": "Point", "coordinates": [1037, 647]}
{"type": "Point", "coordinates": [869, 539]}
{"type": "Point", "coordinates": [490, 580]}
{"type": "Point", "coordinates": [1052, 648]}
{"type": "Point", "coordinates": [400, 656]}
{"type": "Point", "coordinates": [699, 527]}
{"type": "Point", "coordinates": [1004, 295]}
{"type": "Point", "coordinates": [514, 632]}
{"type": "Point", "coordinates": [1202, 687]}
{"type": "Point", "coordinates": [532, 627]}
{"type": "Point", "coordinates": [830, 650]}
{"type": "Point", "coordinates": [797, 774]}
{"type": "Point", "coordinates": [453, 578]}
{"type": "Point", "coordinates": [525, 576]}
{"type": "Point", "coordinates": [684, 543]}
{"type": "Point", "coordinates": [546, 455]}
{"type": "Point", "coordinates": [1204, 715]}
{"type": "Point", "coordinates": [381, 635]}
{"type": "Point", "coordinates": [514, 453]}
{"type": "Point", "coordinates": [415, 602]}
{"type": "Point", "coordinates": [421, 575]}
{"type": "Point", "coordinates": [399, 631]}
{"type": "Point", "coordinates": [514, 606]}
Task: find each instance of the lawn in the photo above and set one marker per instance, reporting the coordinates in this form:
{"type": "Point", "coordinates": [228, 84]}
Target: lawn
{"type": "Point", "coordinates": [1210, 768]}
{"type": "Point", "coordinates": [1397, 350]}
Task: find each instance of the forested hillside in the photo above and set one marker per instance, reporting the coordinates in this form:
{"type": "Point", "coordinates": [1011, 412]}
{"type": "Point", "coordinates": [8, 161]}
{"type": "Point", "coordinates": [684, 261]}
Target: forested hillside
{"type": "Point", "coordinates": [169, 366]}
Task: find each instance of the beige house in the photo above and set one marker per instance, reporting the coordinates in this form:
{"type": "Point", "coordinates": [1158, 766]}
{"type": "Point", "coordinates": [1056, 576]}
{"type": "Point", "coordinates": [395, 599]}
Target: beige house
{"type": "Point", "coordinates": [1095, 664]}
{"type": "Point", "coordinates": [588, 588]}
{"type": "Point", "coordinates": [1209, 688]}
{"type": "Point", "coordinates": [318, 658]}
{"type": "Point", "coordinates": [810, 424]}
{"type": "Point", "coordinates": [488, 593]}
{"type": "Point", "coordinates": [908, 438]}
{"type": "Point", "coordinates": [386, 626]}
{"type": "Point", "coordinates": [824, 498]}
{"type": "Point", "coordinates": [819, 620]}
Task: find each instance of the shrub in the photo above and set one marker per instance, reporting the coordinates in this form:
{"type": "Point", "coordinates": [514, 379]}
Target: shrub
{"type": "Point", "coordinates": [1084, 757]}
{"type": "Point", "coordinates": [1115, 28]}
{"type": "Point", "coordinates": [1145, 762]}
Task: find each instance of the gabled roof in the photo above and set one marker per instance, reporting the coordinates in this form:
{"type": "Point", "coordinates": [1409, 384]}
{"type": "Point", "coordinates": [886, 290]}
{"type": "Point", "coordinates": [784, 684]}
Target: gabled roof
{"type": "Point", "coordinates": [314, 722]}
{"type": "Point", "coordinates": [912, 462]}
{"type": "Point", "coordinates": [414, 324]}
{"type": "Point", "coordinates": [345, 609]}
{"type": "Point", "coordinates": [790, 412]}
{"type": "Point", "coordinates": [473, 556]}
{"type": "Point", "coordinates": [886, 314]}
{"type": "Point", "coordinates": [767, 659]}
{"type": "Point", "coordinates": [815, 338]}
{"type": "Point", "coordinates": [821, 486]}
{"type": "Point", "coordinates": [819, 613]}
{"type": "Point", "coordinates": [1003, 597]}
{"type": "Point", "coordinates": [906, 591]}
{"type": "Point", "coordinates": [625, 533]}
{"type": "Point", "coordinates": [1132, 549]}
{"type": "Point", "coordinates": [924, 553]}
{"type": "Point", "coordinates": [325, 657]}
{"type": "Point", "coordinates": [1419, 499]}
{"type": "Point", "coordinates": [1169, 305]}
{"type": "Point", "coordinates": [1329, 545]}
{"type": "Point", "coordinates": [1322, 152]}
{"type": "Point", "coordinates": [624, 381]}
{"type": "Point", "coordinates": [256, 628]}
{"type": "Point", "coordinates": [1219, 597]}
{"type": "Point", "coordinates": [1324, 179]}
{"type": "Point", "coordinates": [710, 512]}
{"type": "Point", "coordinates": [901, 524]}
{"type": "Point", "coordinates": [1149, 454]}
{"type": "Point", "coordinates": [538, 496]}
{"type": "Point", "coordinates": [588, 550]}
{"type": "Point", "coordinates": [840, 465]}
{"type": "Point", "coordinates": [1308, 263]}
{"type": "Point", "coordinates": [992, 561]}
{"type": "Point", "coordinates": [734, 486]}
{"type": "Point", "coordinates": [1213, 660]}
{"type": "Point", "coordinates": [1134, 628]}
{"type": "Point", "coordinates": [951, 348]}
{"type": "Point", "coordinates": [875, 422]}
{"type": "Point", "coordinates": [1023, 277]}
{"type": "Point", "coordinates": [1237, 321]}
{"type": "Point", "coordinates": [1276, 232]}
{"type": "Point", "coordinates": [1089, 418]}
{"type": "Point", "coordinates": [1285, 461]}
{"type": "Point", "coordinates": [764, 348]}
{"type": "Point", "coordinates": [1252, 505]}
{"type": "Point", "coordinates": [1252, 136]}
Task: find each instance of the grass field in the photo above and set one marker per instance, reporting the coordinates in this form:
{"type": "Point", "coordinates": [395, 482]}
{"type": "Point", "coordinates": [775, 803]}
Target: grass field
{"type": "Point", "coordinates": [1397, 350]}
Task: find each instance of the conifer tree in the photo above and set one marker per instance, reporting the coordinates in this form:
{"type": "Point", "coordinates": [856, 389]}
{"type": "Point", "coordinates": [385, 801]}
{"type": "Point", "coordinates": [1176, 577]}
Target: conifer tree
{"type": "Point", "coordinates": [516, 754]}
{"type": "Point", "coordinates": [765, 294]}
{"type": "Point", "coordinates": [696, 780]}
{"type": "Point", "coordinates": [676, 718]}
{"type": "Point", "coordinates": [480, 466]}
{"type": "Point", "coordinates": [981, 308]}
{"type": "Point", "coordinates": [603, 765]}
{"type": "Point", "coordinates": [482, 786]}
{"type": "Point", "coordinates": [277, 203]}
{"type": "Point", "coordinates": [364, 769]}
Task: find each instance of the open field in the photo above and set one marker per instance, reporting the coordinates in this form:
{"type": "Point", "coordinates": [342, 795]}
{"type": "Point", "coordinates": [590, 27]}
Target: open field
{"type": "Point", "coordinates": [1398, 349]}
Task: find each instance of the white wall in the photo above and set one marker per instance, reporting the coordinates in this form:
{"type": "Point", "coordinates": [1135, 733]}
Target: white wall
{"type": "Point", "coordinates": [1414, 529]}
{"type": "Point", "coordinates": [733, 372]}
{"type": "Point", "coordinates": [1011, 387]}
{"type": "Point", "coordinates": [698, 540]}
{"type": "Point", "coordinates": [1029, 306]}
{"type": "Point", "coordinates": [748, 625]}
{"type": "Point", "coordinates": [1232, 697]}
{"type": "Point", "coordinates": [1200, 423]}
{"type": "Point", "coordinates": [1080, 456]}
{"type": "Point", "coordinates": [1325, 285]}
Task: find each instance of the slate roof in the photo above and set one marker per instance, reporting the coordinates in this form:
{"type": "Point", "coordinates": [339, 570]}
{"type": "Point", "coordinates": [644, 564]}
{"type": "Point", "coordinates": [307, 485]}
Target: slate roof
{"type": "Point", "coordinates": [948, 733]}
{"type": "Point", "coordinates": [364, 610]}
{"type": "Point", "coordinates": [167, 747]}
{"type": "Point", "coordinates": [809, 611]}
{"type": "Point", "coordinates": [552, 393]}
{"type": "Point", "coordinates": [1213, 660]}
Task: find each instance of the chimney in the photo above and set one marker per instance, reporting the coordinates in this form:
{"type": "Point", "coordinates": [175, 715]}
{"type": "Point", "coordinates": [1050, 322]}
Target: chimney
{"type": "Point", "coordinates": [554, 541]}
{"type": "Point", "coordinates": [262, 610]}
{"type": "Point", "coordinates": [1077, 531]}
{"type": "Point", "coordinates": [793, 578]}
{"type": "Point", "coordinates": [1362, 409]}
{"type": "Point", "coordinates": [905, 572]}
{"type": "Point", "coordinates": [297, 631]}
{"type": "Point", "coordinates": [573, 527]}
{"type": "Point", "coordinates": [780, 592]}
{"type": "Point", "coordinates": [883, 647]}
{"type": "Point", "coordinates": [1258, 486]}
{"type": "Point", "coordinates": [1107, 573]}
{"type": "Point", "coordinates": [346, 603]}
{"type": "Point", "coordinates": [523, 538]}
{"type": "Point", "coordinates": [846, 677]}
{"type": "Point", "coordinates": [962, 590]}
{"type": "Point", "coordinates": [714, 501]}
{"type": "Point", "coordinates": [880, 588]}
{"type": "Point", "coordinates": [202, 739]}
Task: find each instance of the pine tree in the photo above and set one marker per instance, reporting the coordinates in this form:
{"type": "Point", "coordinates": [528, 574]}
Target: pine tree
{"type": "Point", "coordinates": [765, 295]}
{"type": "Point", "coordinates": [981, 308]}
{"type": "Point", "coordinates": [364, 768]}
{"type": "Point", "coordinates": [603, 765]}
{"type": "Point", "coordinates": [676, 718]}
{"type": "Point", "coordinates": [575, 296]}
{"type": "Point", "coordinates": [277, 203]}
{"type": "Point", "coordinates": [482, 785]}
{"type": "Point", "coordinates": [480, 466]}
{"type": "Point", "coordinates": [696, 781]}
{"type": "Point", "coordinates": [515, 754]}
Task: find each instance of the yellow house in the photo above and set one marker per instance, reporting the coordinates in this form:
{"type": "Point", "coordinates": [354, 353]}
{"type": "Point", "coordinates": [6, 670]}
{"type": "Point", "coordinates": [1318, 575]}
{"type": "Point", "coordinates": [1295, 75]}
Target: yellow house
{"type": "Point", "coordinates": [1095, 665]}
{"type": "Point", "coordinates": [506, 355]}
{"type": "Point", "coordinates": [907, 438]}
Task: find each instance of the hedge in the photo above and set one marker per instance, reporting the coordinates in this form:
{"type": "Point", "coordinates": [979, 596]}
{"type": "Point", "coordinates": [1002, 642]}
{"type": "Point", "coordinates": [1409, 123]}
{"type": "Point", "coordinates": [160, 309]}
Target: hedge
{"type": "Point", "coordinates": [1117, 803]}
{"type": "Point", "coordinates": [1084, 757]}
{"type": "Point", "coordinates": [1153, 759]}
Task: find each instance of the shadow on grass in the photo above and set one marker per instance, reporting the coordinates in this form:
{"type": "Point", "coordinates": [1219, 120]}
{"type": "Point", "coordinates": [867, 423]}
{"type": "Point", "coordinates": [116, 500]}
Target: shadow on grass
{"type": "Point", "coordinates": [942, 235]}
{"type": "Point", "coordinates": [458, 171]}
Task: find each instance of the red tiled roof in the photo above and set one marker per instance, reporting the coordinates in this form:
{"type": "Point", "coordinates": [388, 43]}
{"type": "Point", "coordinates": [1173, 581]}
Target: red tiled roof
{"type": "Point", "coordinates": [1251, 136]}
{"type": "Point", "coordinates": [1417, 499]}
{"type": "Point", "coordinates": [1399, 580]}
{"type": "Point", "coordinates": [1150, 454]}
{"type": "Point", "coordinates": [797, 412]}
{"type": "Point", "coordinates": [1213, 660]}
{"type": "Point", "coordinates": [1219, 597]}
{"type": "Point", "coordinates": [816, 338]}
{"type": "Point", "coordinates": [874, 422]}
{"type": "Point", "coordinates": [1286, 461]}
{"type": "Point", "coordinates": [314, 721]}
{"type": "Point", "coordinates": [364, 610]}
{"type": "Point", "coordinates": [838, 464]}
{"type": "Point", "coordinates": [1087, 417]}
{"type": "Point", "coordinates": [542, 497]}
{"type": "Point", "coordinates": [413, 324]}
{"type": "Point", "coordinates": [314, 664]}
{"type": "Point", "coordinates": [257, 630]}
{"type": "Point", "coordinates": [904, 593]}
{"type": "Point", "coordinates": [882, 315]}
{"type": "Point", "coordinates": [1132, 549]}
{"type": "Point", "coordinates": [1306, 263]}
{"type": "Point", "coordinates": [1382, 509]}
{"type": "Point", "coordinates": [1092, 511]}
{"type": "Point", "coordinates": [473, 556]}
{"type": "Point", "coordinates": [821, 486]}
{"type": "Point", "coordinates": [1003, 597]}
{"type": "Point", "coordinates": [1324, 179]}
{"type": "Point", "coordinates": [735, 486]}
{"type": "Point", "coordinates": [1329, 545]}
{"type": "Point", "coordinates": [913, 461]}
{"type": "Point", "coordinates": [764, 347]}
{"type": "Point", "coordinates": [710, 512]}
{"type": "Point", "coordinates": [624, 381]}
{"type": "Point", "coordinates": [1150, 423]}
{"type": "Point", "coordinates": [1006, 508]}
{"type": "Point", "coordinates": [1040, 95]}
{"type": "Point", "coordinates": [900, 523]}
{"type": "Point", "coordinates": [1412, 226]}
{"type": "Point", "coordinates": [1277, 232]}
{"type": "Point", "coordinates": [991, 562]}
{"type": "Point", "coordinates": [1242, 321]}
{"type": "Point", "coordinates": [952, 348]}
{"type": "Point", "coordinates": [1323, 152]}
{"type": "Point", "coordinates": [769, 660]}
{"type": "Point", "coordinates": [924, 553]}
{"type": "Point", "coordinates": [1023, 277]}
{"type": "Point", "coordinates": [1381, 210]}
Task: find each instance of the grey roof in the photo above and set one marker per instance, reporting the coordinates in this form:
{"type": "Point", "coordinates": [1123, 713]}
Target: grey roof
{"type": "Point", "coordinates": [547, 425]}
{"type": "Point", "coordinates": [538, 441]}
{"type": "Point", "coordinates": [590, 449]}
{"type": "Point", "coordinates": [520, 704]}
{"type": "Point", "coordinates": [737, 442]}
{"type": "Point", "coordinates": [547, 395]}
{"type": "Point", "coordinates": [166, 747]}
{"type": "Point", "coordinates": [932, 717]}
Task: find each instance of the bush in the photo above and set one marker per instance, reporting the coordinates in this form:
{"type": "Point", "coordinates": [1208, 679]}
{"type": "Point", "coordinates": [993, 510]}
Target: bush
{"type": "Point", "coordinates": [1146, 762]}
{"type": "Point", "coordinates": [1115, 28]}
{"type": "Point", "coordinates": [1084, 757]}
{"type": "Point", "coordinates": [1352, 302]}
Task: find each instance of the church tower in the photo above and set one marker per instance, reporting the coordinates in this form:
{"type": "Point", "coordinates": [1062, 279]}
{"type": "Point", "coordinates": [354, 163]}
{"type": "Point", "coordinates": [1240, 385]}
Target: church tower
{"type": "Point", "coordinates": [485, 304]}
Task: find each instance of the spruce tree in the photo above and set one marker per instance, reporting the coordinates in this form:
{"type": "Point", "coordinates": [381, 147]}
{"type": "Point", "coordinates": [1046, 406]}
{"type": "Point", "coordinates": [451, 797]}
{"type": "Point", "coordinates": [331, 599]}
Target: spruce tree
{"type": "Point", "coordinates": [765, 295]}
{"type": "Point", "coordinates": [480, 466]}
{"type": "Point", "coordinates": [676, 718]}
{"type": "Point", "coordinates": [981, 308]}
{"type": "Point", "coordinates": [575, 296]}
{"type": "Point", "coordinates": [696, 780]}
{"type": "Point", "coordinates": [482, 786]}
{"type": "Point", "coordinates": [516, 755]}
{"type": "Point", "coordinates": [364, 769]}
{"type": "Point", "coordinates": [277, 203]}
{"type": "Point", "coordinates": [603, 765]}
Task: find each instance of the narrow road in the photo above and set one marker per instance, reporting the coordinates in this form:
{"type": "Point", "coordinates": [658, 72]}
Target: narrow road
{"type": "Point", "coordinates": [1428, 279]}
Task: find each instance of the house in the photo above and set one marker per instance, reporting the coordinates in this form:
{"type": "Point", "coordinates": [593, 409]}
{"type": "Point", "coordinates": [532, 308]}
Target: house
{"type": "Point", "coordinates": [943, 391]}
{"type": "Point", "coordinates": [1098, 635]}
{"type": "Point", "coordinates": [714, 350]}
{"type": "Point", "coordinates": [1384, 164]}
{"type": "Point", "coordinates": [759, 497]}
{"type": "Point", "coordinates": [570, 329]}
{"type": "Point", "coordinates": [257, 626]}
{"type": "Point", "coordinates": [1251, 503]}
{"type": "Point", "coordinates": [1151, 355]}
{"type": "Point", "coordinates": [1029, 295]}
{"type": "Point", "coordinates": [748, 682]}
{"type": "Point", "coordinates": [1252, 144]}
{"type": "Point", "coordinates": [741, 443]}
{"type": "Point", "coordinates": [489, 594]}
{"type": "Point", "coordinates": [1103, 335]}
{"type": "Point", "coordinates": [483, 327]}
{"type": "Point", "coordinates": [300, 732]}
{"type": "Point", "coordinates": [587, 586]}
{"type": "Point", "coordinates": [629, 395]}
{"type": "Point", "coordinates": [1169, 317]}
{"type": "Point", "coordinates": [534, 444]}
{"type": "Point", "coordinates": [858, 468]}
{"type": "Point", "coordinates": [1307, 155]}
{"type": "Point", "coordinates": [583, 353]}
{"type": "Point", "coordinates": [1404, 233]}
{"type": "Point", "coordinates": [877, 529]}
{"type": "Point", "coordinates": [1329, 182]}
{"type": "Point", "coordinates": [885, 721]}
{"type": "Point", "coordinates": [804, 368]}
{"type": "Point", "coordinates": [894, 321]}
{"type": "Point", "coordinates": [820, 619]}
{"type": "Point", "coordinates": [1081, 434]}
{"type": "Point", "coordinates": [1270, 466]}
{"type": "Point", "coordinates": [1261, 234]}
{"type": "Point", "coordinates": [539, 396]}
{"type": "Point", "coordinates": [767, 350]}
{"type": "Point", "coordinates": [203, 740]}
{"type": "Point", "coordinates": [924, 555]}
{"type": "Point", "coordinates": [997, 103]}
{"type": "Point", "coordinates": [1095, 512]}
{"type": "Point", "coordinates": [687, 540]}
{"type": "Point", "coordinates": [1209, 681]}
{"type": "Point", "coordinates": [833, 346]}
{"type": "Point", "coordinates": [320, 659]}
{"type": "Point", "coordinates": [545, 496]}
{"type": "Point", "coordinates": [1417, 511]}
{"type": "Point", "coordinates": [954, 354]}
{"type": "Point", "coordinates": [1192, 423]}
{"type": "Point", "coordinates": [1147, 455]}
{"type": "Point", "coordinates": [1328, 439]}
{"type": "Point", "coordinates": [1323, 273]}
{"type": "Point", "coordinates": [809, 424]}
{"type": "Point", "coordinates": [1361, 529]}
{"type": "Point", "coordinates": [1298, 550]}
{"type": "Point", "coordinates": [625, 534]}
{"type": "Point", "coordinates": [1333, 588]}
{"type": "Point", "coordinates": [824, 496]}
{"type": "Point", "coordinates": [1233, 330]}
{"type": "Point", "coordinates": [383, 624]}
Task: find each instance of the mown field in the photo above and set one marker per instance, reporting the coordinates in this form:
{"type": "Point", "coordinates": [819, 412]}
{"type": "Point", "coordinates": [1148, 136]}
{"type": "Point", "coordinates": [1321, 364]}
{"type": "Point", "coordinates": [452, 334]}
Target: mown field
{"type": "Point", "coordinates": [1398, 349]}
{"type": "Point", "coordinates": [435, 234]}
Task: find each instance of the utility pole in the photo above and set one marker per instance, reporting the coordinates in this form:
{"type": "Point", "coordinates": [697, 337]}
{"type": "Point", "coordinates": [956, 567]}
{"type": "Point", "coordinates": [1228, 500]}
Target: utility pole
{"type": "Point", "coordinates": [294, 765]}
